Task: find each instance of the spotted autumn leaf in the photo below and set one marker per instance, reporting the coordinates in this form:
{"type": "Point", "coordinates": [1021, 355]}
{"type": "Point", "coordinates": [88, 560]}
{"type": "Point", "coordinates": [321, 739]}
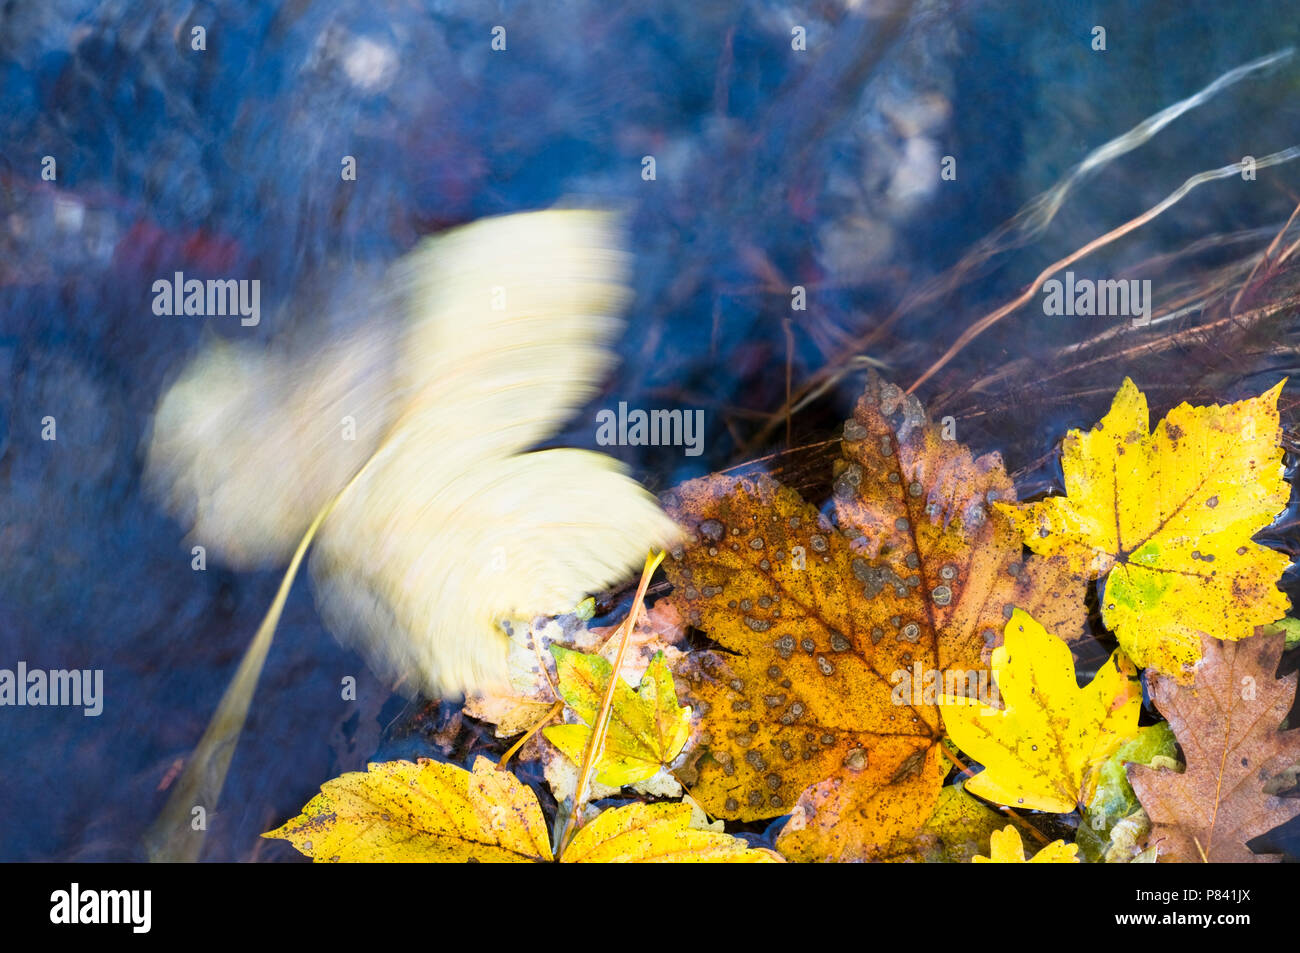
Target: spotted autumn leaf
{"type": "Point", "coordinates": [1229, 727]}
{"type": "Point", "coordinates": [959, 828]}
{"type": "Point", "coordinates": [833, 634]}
{"type": "Point", "coordinates": [399, 812]}
{"type": "Point", "coordinates": [1166, 518]}
{"type": "Point", "coordinates": [658, 834]}
{"type": "Point", "coordinates": [1042, 747]}
{"type": "Point", "coordinates": [647, 728]}
{"type": "Point", "coordinates": [864, 818]}
{"type": "Point", "coordinates": [432, 812]}
{"type": "Point", "coordinates": [1006, 847]}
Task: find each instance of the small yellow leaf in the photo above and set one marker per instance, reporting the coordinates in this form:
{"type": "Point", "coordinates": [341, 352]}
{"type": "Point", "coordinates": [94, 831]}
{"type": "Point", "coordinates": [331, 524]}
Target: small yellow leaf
{"type": "Point", "coordinates": [658, 833]}
{"type": "Point", "coordinates": [399, 812]}
{"type": "Point", "coordinates": [647, 728]}
{"type": "Point", "coordinates": [1006, 847]}
{"type": "Point", "coordinates": [1040, 749]}
{"type": "Point", "coordinates": [1167, 517]}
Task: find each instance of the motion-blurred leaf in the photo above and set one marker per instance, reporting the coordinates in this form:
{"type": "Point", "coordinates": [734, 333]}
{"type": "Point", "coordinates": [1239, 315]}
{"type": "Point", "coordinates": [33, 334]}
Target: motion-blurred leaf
{"type": "Point", "coordinates": [407, 445]}
{"type": "Point", "coordinates": [443, 525]}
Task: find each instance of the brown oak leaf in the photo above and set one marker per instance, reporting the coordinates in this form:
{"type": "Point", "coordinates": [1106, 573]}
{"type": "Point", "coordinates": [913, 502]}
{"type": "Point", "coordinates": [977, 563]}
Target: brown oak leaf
{"type": "Point", "coordinates": [825, 627]}
{"type": "Point", "coordinates": [1228, 725]}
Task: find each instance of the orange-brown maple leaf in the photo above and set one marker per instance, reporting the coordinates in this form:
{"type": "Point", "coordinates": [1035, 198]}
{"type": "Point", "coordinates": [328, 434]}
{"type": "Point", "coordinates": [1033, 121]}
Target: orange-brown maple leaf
{"type": "Point", "coordinates": [821, 622]}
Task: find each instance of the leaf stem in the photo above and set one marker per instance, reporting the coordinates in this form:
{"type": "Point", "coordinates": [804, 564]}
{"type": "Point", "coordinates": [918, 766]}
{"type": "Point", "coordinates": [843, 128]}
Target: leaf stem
{"type": "Point", "coordinates": [554, 710]}
{"type": "Point", "coordinates": [172, 838]}
{"type": "Point", "coordinates": [596, 743]}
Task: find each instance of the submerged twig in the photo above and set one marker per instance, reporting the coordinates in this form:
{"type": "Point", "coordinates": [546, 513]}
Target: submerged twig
{"type": "Point", "coordinates": [171, 838]}
{"type": "Point", "coordinates": [1174, 197]}
{"type": "Point", "coordinates": [1025, 225]}
{"type": "Point", "coordinates": [1268, 253]}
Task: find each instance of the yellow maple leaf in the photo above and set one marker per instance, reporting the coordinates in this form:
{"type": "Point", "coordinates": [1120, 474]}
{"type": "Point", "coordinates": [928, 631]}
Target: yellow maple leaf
{"type": "Point", "coordinates": [432, 812]}
{"type": "Point", "coordinates": [1167, 517]}
{"type": "Point", "coordinates": [399, 812]}
{"type": "Point", "coordinates": [1039, 751]}
{"type": "Point", "coordinates": [657, 833]}
{"type": "Point", "coordinates": [1006, 847]}
{"type": "Point", "coordinates": [647, 728]}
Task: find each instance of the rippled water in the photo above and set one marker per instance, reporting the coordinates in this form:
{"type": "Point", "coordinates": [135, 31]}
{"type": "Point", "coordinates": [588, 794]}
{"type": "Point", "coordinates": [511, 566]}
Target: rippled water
{"type": "Point", "coordinates": [773, 168]}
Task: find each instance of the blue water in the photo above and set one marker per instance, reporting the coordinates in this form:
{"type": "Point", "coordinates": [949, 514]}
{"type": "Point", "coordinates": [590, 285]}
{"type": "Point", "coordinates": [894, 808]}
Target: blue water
{"type": "Point", "coordinates": [771, 171]}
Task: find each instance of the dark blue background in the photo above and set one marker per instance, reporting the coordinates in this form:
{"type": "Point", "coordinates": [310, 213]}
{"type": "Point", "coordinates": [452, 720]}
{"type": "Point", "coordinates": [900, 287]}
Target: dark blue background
{"type": "Point", "coordinates": [772, 170]}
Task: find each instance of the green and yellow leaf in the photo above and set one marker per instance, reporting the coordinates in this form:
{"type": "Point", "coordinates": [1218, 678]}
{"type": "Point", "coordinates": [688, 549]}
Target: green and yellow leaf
{"type": "Point", "coordinates": [1114, 818]}
{"type": "Point", "coordinates": [647, 728]}
{"type": "Point", "coordinates": [1167, 518]}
